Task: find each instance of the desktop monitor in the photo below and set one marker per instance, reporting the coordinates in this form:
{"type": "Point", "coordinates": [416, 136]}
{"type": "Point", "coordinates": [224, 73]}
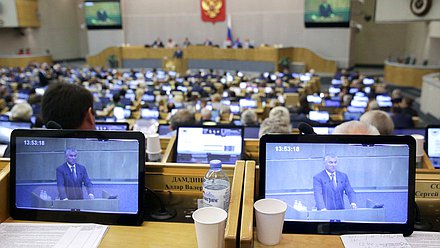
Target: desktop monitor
{"type": "Point", "coordinates": [432, 144]}
{"type": "Point", "coordinates": [15, 124]}
{"type": "Point", "coordinates": [247, 103]}
{"type": "Point", "coordinates": [314, 99]}
{"type": "Point", "coordinates": [337, 184]}
{"type": "Point", "coordinates": [149, 113]}
{"type": "Point", "coordinates": [106, 184]}
{"type": "Point", "coordinates": [103, 14]}
{"type": "Point", "coordinates": [112, 126]}
{"type": "Point", "coordinates": [319, 116]}
{"type": "Point", "coordinates": [213, 142]}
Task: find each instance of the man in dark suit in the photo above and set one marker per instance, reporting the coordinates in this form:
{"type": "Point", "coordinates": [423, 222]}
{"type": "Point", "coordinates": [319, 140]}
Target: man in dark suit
{"type": "Point", "coordinates": [325, 9]}
{"type": "Point", "coordinates": [330, 185]}
{"type": "Point", "coordinates": [71, 176]}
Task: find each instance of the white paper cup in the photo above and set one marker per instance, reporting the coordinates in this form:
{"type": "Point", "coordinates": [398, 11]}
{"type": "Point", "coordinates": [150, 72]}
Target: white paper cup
{"type": "Point", "coordinates": [210, 225]}
{"type": "Point", "coordinates": [153, 144]}
{"type": "Point", "coordinates": [269, 214]}
{"type": "Point", "coordinates": [419, 144]}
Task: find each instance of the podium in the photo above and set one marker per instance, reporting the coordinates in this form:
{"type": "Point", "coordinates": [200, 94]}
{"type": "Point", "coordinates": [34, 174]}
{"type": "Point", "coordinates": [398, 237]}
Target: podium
{"type": "Point", "coordinates": [97, 204]}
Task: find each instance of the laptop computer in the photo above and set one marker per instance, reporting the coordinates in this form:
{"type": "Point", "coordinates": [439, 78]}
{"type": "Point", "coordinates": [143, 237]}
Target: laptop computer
{"type": "Point", "coordinates": [106, 185]}
{"type": "Point", "coordinates": [432, 144]}
{"type": "Point", "coordinates": [213, 142]}
{"type": "Point", "coordinates": [372, 190]}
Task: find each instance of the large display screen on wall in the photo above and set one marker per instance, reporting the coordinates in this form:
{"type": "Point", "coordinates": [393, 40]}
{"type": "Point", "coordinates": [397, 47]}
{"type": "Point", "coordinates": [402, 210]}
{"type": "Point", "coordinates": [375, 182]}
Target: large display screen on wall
{"type": "Point", "coordinates": [327, 13]}
{"type": "Point", "coordinates": [103, 14]}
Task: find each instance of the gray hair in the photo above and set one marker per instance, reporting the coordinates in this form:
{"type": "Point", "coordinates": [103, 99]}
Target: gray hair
{"type": "Point", "coordinates": [274, 125]}
{"type": "Point", "coordinates": [380, 119]}
{"type": "Point", "coordinates": [280, 112]}
{"type": "Point", "coordinates": [355, 127]}
{"type": "Point", "coordinates": [21, 112]}
{"type": "Point", "coordinates": [249, 118]}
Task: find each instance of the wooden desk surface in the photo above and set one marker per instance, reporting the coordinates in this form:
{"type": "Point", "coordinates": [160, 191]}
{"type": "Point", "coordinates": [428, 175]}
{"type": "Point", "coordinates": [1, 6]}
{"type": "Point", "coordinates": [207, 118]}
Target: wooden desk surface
{"type": "Point", "coordinates": [151, 234]}
{"type": "Point", "coordinates": [303, 240]}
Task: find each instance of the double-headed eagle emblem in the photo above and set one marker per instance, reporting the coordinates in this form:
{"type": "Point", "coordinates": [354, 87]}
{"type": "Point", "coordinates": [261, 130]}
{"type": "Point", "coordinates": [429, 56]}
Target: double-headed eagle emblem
{"type": "Point", "coordinates": [211, 8]}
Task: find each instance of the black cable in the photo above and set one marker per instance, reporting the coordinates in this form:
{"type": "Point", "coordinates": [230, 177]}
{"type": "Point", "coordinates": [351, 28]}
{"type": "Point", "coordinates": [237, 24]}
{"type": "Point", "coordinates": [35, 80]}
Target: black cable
{"type": "Point", "coordinates": [163, 213]}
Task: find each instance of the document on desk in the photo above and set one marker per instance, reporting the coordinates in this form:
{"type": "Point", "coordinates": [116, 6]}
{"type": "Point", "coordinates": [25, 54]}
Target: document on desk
{"type": "Point", "coordinates": [51, 235]}
{"type": "Point", "coordinates": [424, 239]}
{"type": "Point", "coordinates": [375, 241]}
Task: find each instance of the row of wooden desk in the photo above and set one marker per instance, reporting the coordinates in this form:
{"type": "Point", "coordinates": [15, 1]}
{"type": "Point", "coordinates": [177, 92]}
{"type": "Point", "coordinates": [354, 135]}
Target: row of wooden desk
{"type": "Point", "coordinates": [240, 230]}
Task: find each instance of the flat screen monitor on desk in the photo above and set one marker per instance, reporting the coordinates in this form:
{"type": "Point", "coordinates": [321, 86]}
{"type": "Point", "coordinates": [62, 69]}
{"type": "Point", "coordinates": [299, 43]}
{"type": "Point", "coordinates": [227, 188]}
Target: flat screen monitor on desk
{"type": "Point", "coordinates": [340, 184]}
{"type": "Point", "coordinates": [251, 132]}
{"type": "Point", "coordinates": [15, 124]}
{"type": "Point", "coordinates": [432, 144]}
{"type": "Point", "coordinates": [319, 116]}
{"type": "Point", "coordinates": [77, 176]}
{"type": "Point", "coordinates": [213, 142]}
{"type": "Point", "coordinates": [112, 126]}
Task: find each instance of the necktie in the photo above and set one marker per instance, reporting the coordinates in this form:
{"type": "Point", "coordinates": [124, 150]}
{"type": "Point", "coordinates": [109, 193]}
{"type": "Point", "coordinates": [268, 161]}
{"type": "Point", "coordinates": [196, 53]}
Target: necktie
{"type": "Point", "coordinates": [335, 185]}
{"type": "Point", "coordinates": [73, 172]}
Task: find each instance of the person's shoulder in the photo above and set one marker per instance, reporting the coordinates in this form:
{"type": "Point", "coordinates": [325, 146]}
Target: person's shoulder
{"type": "Point", "coordinates": [319, 174]}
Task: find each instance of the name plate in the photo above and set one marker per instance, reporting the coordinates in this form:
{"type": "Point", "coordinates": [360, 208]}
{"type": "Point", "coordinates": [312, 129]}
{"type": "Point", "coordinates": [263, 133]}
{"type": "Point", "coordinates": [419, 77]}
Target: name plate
{"type": "Point", "coordinates": [428, 189]}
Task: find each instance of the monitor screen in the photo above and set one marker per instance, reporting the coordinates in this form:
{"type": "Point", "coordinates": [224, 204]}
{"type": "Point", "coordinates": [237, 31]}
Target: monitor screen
{"type": "Point", "coordinates": [353, 109]}
{"type": "Point", "coordinates": [353, 182]}
{"type": "Point", "coordinates": [251, 132]}
{"type": "Point", "coordinates": [248, 103]}
{"type": "Point", "coordinates": [103, 14]}
{"type": "Point", "coordinates": [235, 108]}
{"type": "Point", "coordinates": [433, 145]}
{"type": "Point", "coordinates": [149, 113]}
{"type": "Point", "coordinates": [15, 124]}
{"type": "Point", "coordinates": [327, 13]}
{"type": "Point", "coordinates": [314, 99]}
{"type": "Point", "coordinates": [332, 103]}
{"type": "Point", "coordinates": [223, 143]}
{"type": "Point", "coordinates": [319, 116]}
{"type": "Point", "coordinates": [368, 81]}
{"type": "Point", "coordinates": [112, 126]}
{"type": "Point", "coordinates": [64, 174]}
{"type": "Point", "coordinates": [352, 116]}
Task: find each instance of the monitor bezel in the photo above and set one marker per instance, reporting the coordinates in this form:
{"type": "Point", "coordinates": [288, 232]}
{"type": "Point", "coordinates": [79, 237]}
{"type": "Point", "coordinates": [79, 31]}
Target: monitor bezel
{"type": "Point", "coordinates": [344, 227]}
{"type": "Point", "coordinates": [77, 216]}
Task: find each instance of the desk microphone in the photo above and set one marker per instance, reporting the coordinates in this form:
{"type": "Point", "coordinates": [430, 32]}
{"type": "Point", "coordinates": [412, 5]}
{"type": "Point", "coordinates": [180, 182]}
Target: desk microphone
{"type": "Point", "coordinates": [53, 125]}
{"type": "Point", "coordinates": [163, 213]}
{"type": "Point", "coordinates": [306, 129]}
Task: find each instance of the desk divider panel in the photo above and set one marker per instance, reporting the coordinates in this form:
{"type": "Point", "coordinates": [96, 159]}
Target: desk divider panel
{"type": "Point", "coordinates": [247, 214]}
{"type": "Point", "coordinates": [233, 221]}
{"type": "Point", "coordinates": [4, 189]}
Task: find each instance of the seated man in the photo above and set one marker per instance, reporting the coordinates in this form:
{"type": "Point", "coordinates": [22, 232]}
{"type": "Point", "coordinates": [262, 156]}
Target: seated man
{"type": "Point", "coordinates": [68, 105]}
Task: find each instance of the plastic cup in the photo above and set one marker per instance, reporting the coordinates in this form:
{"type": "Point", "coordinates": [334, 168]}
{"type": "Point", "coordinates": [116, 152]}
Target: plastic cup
{"type": "Point", "coordinates": [269, 214]}
{"type": "Point", "coordinates": [210, 225]}
{"type": "Point", "coordinates": [153, 144]}
{"type": "Point", "coordinates": [419, 148]}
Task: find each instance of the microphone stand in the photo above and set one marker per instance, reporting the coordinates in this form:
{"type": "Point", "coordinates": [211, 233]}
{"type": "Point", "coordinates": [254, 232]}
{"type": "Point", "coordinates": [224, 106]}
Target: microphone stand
{"type": "Point", "coordinates": [163, 213]}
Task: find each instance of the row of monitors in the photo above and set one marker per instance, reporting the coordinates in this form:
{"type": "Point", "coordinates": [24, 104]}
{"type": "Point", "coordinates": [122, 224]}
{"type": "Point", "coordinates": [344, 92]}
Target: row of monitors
{"type": "Point", "coordinates": [360, 100]}
{"type": "Point", "coordinates": [226, 139]}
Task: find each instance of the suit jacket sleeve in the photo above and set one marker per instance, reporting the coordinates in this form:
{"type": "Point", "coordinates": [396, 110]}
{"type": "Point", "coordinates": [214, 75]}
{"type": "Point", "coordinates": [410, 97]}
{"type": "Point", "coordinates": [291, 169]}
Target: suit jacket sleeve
{"type": "Point", "coordinates": [317, 191]}
{"type": "Point", "coordinates": [86, 180]}
{"type": "Point", "coordinates": [61, 183]}
{"type": "Point", "coordinates": [349, 190]}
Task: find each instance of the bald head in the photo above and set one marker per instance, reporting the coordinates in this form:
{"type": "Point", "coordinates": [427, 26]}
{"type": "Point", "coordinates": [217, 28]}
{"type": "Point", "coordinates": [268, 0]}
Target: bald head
{"type": "Point", "coordinates": [356, 128]}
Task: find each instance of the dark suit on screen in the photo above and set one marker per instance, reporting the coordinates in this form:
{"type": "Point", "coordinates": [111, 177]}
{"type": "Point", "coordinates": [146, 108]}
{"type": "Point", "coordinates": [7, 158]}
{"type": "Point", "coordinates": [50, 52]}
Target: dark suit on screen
{"type": "Point", "coordinates": [325, 10]}
{"type": "Point", "coordinates": [328, 197]}
{"type": "Point", "coordinates": [70, 188]}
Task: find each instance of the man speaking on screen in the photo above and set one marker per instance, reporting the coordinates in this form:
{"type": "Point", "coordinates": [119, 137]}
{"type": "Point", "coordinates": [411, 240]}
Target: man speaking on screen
{"type": "Point", "coordinates": [71, 176]}
{"type": "Point", "coordinates": [330, 185]}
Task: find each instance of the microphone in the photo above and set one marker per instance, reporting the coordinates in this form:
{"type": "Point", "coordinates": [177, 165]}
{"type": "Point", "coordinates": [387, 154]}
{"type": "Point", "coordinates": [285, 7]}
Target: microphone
{"type": "Point", "coordinates": [53, 125]}
{"type": "Point", "coordinates": [306, 129]}
{"type": "Point", "coordinates": [163, 213]}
